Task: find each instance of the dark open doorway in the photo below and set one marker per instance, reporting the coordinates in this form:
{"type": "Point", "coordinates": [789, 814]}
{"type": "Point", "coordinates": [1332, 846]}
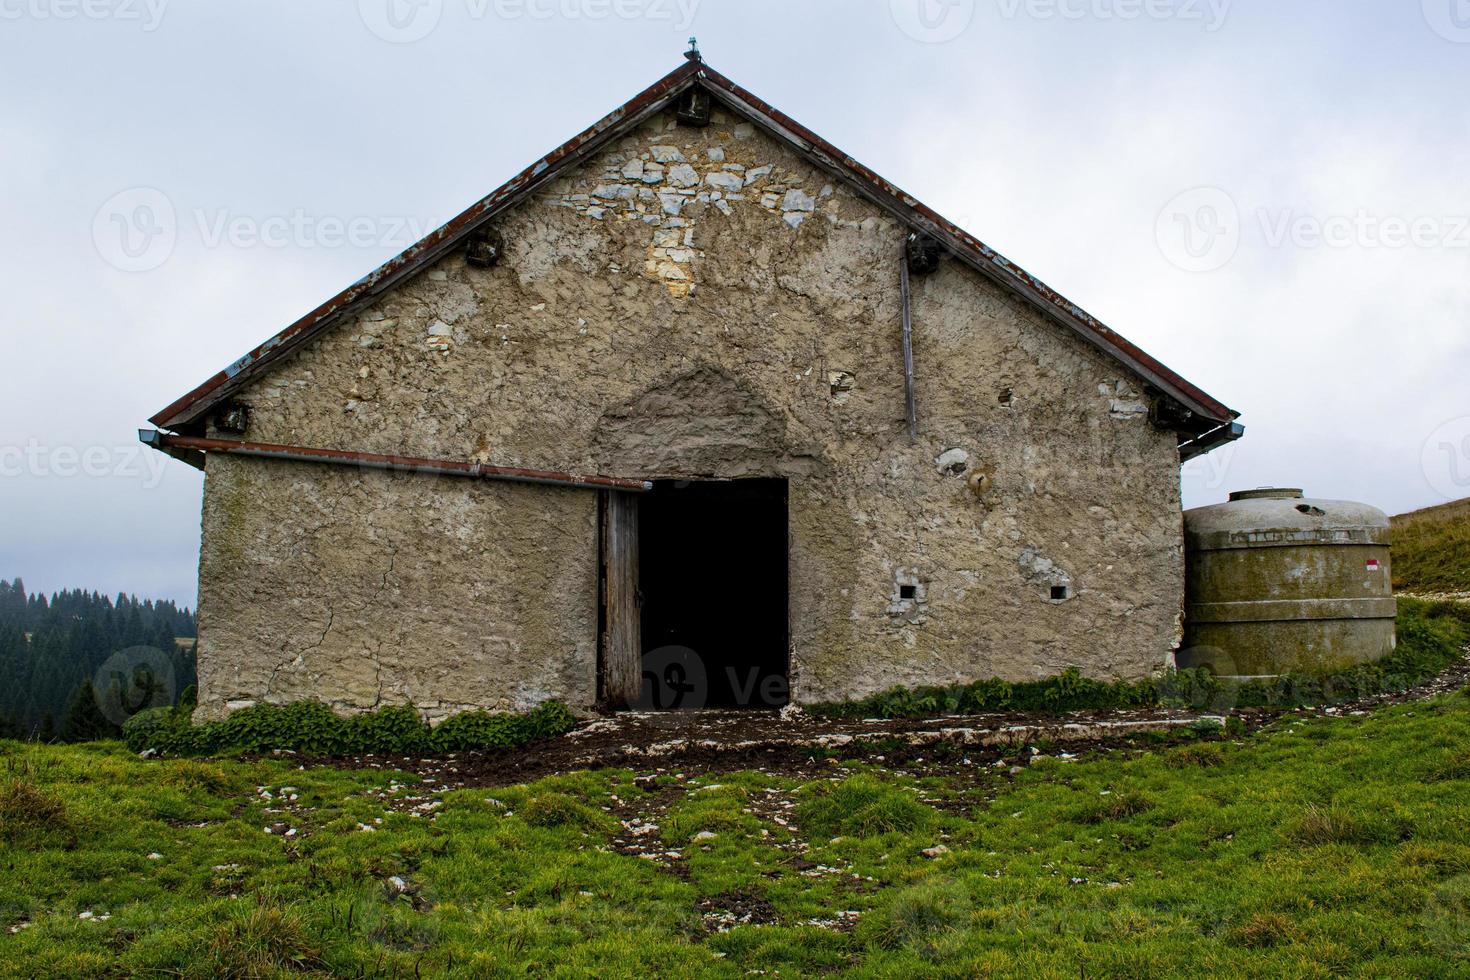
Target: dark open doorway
{"type": "Point", "coordinates": [713, 581]}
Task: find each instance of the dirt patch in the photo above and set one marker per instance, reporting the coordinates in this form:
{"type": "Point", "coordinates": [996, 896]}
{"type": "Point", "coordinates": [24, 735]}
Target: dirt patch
{"type": "Point", "coordinates": [738, 908]}
{"type": "Point", "coordinates": [802, 747]}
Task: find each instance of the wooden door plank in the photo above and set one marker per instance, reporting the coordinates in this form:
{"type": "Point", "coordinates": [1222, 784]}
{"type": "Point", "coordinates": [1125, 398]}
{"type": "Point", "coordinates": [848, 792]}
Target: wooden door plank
{"type": "Point", "coordinates": [623, 639]}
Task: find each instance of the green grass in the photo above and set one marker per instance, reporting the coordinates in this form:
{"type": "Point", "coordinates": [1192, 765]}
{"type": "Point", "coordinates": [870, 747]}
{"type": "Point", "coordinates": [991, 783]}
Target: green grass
{"type": "Point", "coordinates": [1319, 846]}
{"type": "Point", "coordinates": [1431, 549]}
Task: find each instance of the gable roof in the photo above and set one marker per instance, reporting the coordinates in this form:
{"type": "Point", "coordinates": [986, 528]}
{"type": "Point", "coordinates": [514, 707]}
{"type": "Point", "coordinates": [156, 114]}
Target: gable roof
{"type": "Point", "coordinates": [1205, 421]}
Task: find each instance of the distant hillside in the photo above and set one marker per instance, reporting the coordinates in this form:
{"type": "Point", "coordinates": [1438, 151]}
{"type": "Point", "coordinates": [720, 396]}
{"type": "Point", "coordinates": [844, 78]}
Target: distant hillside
{"type": "Point", "coordinates": [1431, 549]}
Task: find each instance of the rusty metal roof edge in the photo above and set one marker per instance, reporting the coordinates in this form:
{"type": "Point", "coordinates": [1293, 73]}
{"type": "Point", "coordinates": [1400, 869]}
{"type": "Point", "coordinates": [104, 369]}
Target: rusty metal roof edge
{"type": "Point", "coordinates": [902, 205]}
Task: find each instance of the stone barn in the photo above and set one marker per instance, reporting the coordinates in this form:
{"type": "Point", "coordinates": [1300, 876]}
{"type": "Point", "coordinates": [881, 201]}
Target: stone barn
{"type": "Point", "coordinates": [696, 410]}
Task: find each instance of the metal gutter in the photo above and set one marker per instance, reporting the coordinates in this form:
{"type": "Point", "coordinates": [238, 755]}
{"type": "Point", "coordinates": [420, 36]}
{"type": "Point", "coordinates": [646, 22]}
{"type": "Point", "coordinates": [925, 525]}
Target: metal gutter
{"type": "Point", "coordinates": [172, 445]}
{"type": "Point", "coordinates": [1210, 440]}
{"type": "Point", "coordinates": [910, 408]}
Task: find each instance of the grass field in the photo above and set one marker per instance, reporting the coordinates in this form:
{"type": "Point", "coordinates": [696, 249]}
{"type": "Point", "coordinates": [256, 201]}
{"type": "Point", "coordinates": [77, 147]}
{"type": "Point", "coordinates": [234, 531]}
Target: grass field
{"type": "Point", "coordinates": [1320, 846]}
{"type": "Point", "coordinates": [1431, 550]}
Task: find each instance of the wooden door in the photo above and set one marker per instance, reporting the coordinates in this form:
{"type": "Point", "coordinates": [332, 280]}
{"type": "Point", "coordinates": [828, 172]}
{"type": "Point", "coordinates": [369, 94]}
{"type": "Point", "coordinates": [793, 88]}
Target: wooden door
{"type": "Point", "coordinates": [622, 638]}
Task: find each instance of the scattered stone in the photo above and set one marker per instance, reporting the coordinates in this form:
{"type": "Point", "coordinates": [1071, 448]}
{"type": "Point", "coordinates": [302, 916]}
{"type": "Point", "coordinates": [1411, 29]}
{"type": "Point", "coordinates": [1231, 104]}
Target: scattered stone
{"type": "Point", "coordinates": [155, 856]}
{"type": "Point", "coordinates": [725, 181]}
{"type": "Point", "coordinates": [936, 851]}
{"type": "Point", "coordinates": [684, 175]}
{"type": "Point", "coordinates": [953, 462]}
{"type": "Point", "coordinates": [799, 200]}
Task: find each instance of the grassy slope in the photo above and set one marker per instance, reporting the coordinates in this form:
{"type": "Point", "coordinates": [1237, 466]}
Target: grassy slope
{"type": "Point", "coordinates": [1319, 847]}
{"type": "Point", "coordinates": [1431, 549]}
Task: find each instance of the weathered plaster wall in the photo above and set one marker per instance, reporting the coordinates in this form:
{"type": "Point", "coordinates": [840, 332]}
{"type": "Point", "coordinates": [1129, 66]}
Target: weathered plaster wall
{"type": "Point", "coordinates": [703, 303]}
{"type": "Point", "coordinates": [363, 588]}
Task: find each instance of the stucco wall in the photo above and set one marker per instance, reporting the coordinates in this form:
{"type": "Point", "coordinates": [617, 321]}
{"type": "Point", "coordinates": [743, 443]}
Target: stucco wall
{"type": "Point", "coordinates": [640, 325]}
{"type": "Point", "coordinates": [363, 588]}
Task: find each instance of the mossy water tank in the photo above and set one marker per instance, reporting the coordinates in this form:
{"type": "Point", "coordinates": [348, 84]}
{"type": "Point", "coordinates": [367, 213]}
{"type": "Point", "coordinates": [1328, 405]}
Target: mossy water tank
{"type": "Point", "coordinates": [1279, 584]}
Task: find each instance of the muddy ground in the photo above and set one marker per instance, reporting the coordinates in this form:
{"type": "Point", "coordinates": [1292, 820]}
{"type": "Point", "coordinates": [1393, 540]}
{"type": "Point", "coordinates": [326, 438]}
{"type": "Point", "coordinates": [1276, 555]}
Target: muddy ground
{"type": "Point", "coordinates": [802, 746]}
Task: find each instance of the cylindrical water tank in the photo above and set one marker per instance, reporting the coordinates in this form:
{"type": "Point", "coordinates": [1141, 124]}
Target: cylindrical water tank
{"type": "Point", "coordinates": [1279, 584]}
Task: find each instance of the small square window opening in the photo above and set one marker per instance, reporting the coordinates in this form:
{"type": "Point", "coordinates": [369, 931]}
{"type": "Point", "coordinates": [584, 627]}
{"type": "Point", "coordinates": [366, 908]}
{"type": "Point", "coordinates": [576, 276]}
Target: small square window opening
{"type": "Point", "coordinates": [908, 592]}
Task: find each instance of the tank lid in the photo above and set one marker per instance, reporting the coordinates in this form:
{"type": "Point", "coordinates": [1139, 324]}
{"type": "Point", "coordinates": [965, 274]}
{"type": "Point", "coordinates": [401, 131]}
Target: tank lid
{"type": "Point", "coordinates": [1266, 493]}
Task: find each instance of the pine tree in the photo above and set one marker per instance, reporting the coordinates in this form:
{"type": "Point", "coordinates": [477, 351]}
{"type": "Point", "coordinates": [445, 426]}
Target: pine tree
{"type": "Point", "coordinates": [85, 721]}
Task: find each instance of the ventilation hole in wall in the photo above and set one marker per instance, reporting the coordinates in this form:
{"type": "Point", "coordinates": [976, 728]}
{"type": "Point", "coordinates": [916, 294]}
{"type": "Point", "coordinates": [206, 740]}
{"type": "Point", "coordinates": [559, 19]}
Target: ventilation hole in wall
{"type": "Point", "coordinates": [1007, 396]}
{"type": "Point", "coordinates": [1060, 593]}
{"type": "Point", "coordinates": [1311, 511]}
{"type": "Point", "coordinates": [909, 592]}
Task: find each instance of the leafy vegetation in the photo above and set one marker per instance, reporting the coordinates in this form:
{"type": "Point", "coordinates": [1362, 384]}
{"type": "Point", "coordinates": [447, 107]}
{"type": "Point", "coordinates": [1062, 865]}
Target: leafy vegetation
{"type": "Point", "coordinates": [1432, 636]}
{"type": "Point", "coordinates": [1431, 549]}
{"type": "Point", "coordinates": [316, 729]}
{"type": "Point", "coordinates": [1317, 846]}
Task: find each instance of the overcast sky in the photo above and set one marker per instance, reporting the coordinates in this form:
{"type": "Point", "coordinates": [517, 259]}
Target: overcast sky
{"type": "Point", "coordinates": [1269, 197]}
